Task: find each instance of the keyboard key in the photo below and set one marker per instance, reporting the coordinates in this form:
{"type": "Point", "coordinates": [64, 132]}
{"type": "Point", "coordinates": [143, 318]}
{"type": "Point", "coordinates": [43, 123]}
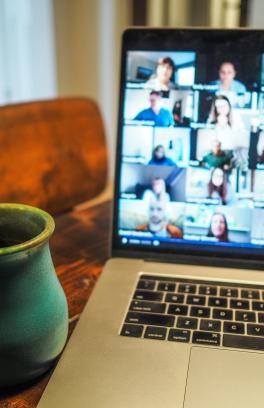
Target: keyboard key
{"type": "Point", "coordinates": [233, 327]}
{"type": "Point", "coordinates": [218, 302]}
{"type": "Point", "coordinates": [228, 292]}
{"type": "Point", "coordinates": [261, 317]}
{"type": "Point", "coordinates": [150, 319]}
{"type": "Point", "coordinates": [206, 338]}
{"type": "Point", "coordinates": [239, 304]}
{"type": "Point", "coordinates": [178, 310]}
{"type": "Point", "coordinates": [255, 329]}
{"type": "Point", "coordinates": [146, 284]}
{"type": "Point", "coordinates": [152, 307]}
{"type": "Point", "coordinates": [200, 311]}
{"type": "Point", "coordinates": [249, 294]}
{"type": "Point", "coordinates": [155, 333]}
{"type": "Point", "coordinates": [258, 306]}
{"type": "Point", "coordinates": [210, 325]}
{"type": "Point", "coordinates": [244, 342]}
{"type": "Point", "coordinates": [146, 295]}
{"type": "Point", "coordinates": [167, 287]}
{"type": "Point", "coordinates": [246, 316]}
{"type": "Point", "coordinates": [174, 298]}
{"type": "Point", "coordinates": [187, 288]}
{"type": "Point", "coordinates": [196, 300]}
{"type": "Point", "coordinates": [208, 290]}
{"type": "Point", "coordinates": [187, 323]}
{"type": "Point", "coordinates": [179, 335]}
{"type": "Point", "coordinates": [224, 314]}
{"type": "Point", "coordinates": [132, 330]}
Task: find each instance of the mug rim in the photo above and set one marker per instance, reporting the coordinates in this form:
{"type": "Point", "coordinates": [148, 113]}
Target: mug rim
{"type": "Point", "coordinates": [38, 239]}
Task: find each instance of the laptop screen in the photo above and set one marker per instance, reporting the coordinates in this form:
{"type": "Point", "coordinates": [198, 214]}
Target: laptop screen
{"type": "Point", "coordinates": [190, 173]}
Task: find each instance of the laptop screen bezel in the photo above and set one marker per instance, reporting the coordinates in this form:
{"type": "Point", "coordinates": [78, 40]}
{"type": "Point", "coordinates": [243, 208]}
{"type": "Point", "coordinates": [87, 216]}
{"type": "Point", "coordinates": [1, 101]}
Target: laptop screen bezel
{"type": "Point", "coordinates": [146, 39]}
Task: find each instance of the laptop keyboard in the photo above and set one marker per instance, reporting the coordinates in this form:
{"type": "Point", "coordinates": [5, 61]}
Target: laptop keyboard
{"type": "Point", "coordinates": [197, 312]}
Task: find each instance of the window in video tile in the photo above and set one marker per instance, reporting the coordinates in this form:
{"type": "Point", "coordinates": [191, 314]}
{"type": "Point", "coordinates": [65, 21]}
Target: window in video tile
{"type": "Point", "coordinates": [137, 143]}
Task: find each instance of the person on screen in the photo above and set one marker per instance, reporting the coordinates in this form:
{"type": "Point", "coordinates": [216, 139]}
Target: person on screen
{"type": "Point", "coordinates": [218, 227]}
{"type": "Point", "coordinates": [155, 113]}
{"type": "Point", "coordinates": [221, 111]}
{"type": "Point", "coordinates": [158, 224]}
{"type": "Point", "coordinates": [179, 120]}
{"type": "Point", "coordinates": [159, 157]}
{"type": "Point", "coordinates": [229, 129]}
{"type": "Point", "coordinates": [163, 78]}
{"type": "Point", "coordinates": [217, 157]}
{"type": "Point", "coordinates": [157, 192]}
{"type": "Point", "coordinates": [217, 187]}
{"type": "Point", "coordinates": [227, 82]}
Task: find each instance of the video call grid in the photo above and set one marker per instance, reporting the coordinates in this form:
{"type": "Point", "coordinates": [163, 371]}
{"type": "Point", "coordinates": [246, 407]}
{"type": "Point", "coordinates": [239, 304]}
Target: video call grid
{"type": "Point", "coordinates": [203, 143]}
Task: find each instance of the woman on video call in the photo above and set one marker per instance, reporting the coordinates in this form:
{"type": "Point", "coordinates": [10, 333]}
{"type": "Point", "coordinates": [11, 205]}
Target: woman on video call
{"type": "Point", "coordinates": [217, 187]}
{"type": "Point", "coordinates": [218, 227]}
{"type": "Point", "coordinates": [164, 76]}
{"type": "Point", "coordinates": [157, 192]}
{"type": "Point", "coordinates": [229, 128]}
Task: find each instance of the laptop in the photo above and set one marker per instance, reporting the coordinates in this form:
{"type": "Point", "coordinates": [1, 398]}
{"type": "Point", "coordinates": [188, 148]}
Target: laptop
{"type": "Point", "coordinates": [177, 317]}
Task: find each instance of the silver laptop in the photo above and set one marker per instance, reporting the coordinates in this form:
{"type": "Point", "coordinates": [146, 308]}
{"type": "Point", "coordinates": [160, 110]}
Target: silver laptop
{"type": "Point", "coordinates": [177, 317]}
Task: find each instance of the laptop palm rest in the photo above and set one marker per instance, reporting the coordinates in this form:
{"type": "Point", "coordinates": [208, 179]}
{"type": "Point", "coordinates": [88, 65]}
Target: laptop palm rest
{"type": "Point", "coordinates": [223, 378]}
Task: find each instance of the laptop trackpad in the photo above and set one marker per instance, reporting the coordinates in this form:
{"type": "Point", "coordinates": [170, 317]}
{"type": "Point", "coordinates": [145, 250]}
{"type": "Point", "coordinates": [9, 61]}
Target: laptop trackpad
{"type": "Point", "coordinates": [223, 378]}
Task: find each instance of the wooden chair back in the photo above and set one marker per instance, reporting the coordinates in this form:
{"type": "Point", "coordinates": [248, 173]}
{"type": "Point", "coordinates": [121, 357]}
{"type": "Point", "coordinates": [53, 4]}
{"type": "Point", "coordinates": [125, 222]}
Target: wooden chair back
{"type": "Point", "coordinates": [53, 153]}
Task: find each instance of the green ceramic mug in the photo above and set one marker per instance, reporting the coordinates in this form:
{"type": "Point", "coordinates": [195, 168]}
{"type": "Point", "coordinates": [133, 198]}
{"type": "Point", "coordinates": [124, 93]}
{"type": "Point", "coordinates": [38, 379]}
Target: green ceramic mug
{"type": "Point", "coordinates": [33, 307]}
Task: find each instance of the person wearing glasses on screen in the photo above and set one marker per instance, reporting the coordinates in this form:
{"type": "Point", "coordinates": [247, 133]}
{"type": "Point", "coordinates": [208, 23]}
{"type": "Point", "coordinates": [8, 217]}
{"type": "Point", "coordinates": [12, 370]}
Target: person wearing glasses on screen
{"type": "Point", "coordinates": [156, 113]}
{"type": "Point", "coordinates": [163, 78]}
{"type": "Point", "coordinates": [159, 157]}
{"type": "Point", "coordinates": [218, 227]}
{"type": "Point", "coordinates": [157, 222]}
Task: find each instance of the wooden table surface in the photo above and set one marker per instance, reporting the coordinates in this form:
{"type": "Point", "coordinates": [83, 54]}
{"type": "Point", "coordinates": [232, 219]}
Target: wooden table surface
{"type": "Point", "coordinates": [80, 247]}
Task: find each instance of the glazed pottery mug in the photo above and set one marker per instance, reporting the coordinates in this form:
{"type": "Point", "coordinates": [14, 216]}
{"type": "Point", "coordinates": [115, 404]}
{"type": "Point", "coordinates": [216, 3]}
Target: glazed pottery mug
{"type": "Point", "coordinates": [33, 307]}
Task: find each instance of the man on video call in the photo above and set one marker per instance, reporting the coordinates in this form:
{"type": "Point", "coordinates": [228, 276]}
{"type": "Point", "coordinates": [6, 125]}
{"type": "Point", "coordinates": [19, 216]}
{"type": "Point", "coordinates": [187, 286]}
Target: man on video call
{"type": "Point", "coordinates": [155, 113]}
{"type": "Point", "coordinates": [158, 224]}
{"type": "Point", "coordinates": [217, 157]}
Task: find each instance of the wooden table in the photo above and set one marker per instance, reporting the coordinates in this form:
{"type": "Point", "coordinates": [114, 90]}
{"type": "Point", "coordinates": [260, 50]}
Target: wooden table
{"type": "Point", "coordinates": [80, 247]}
